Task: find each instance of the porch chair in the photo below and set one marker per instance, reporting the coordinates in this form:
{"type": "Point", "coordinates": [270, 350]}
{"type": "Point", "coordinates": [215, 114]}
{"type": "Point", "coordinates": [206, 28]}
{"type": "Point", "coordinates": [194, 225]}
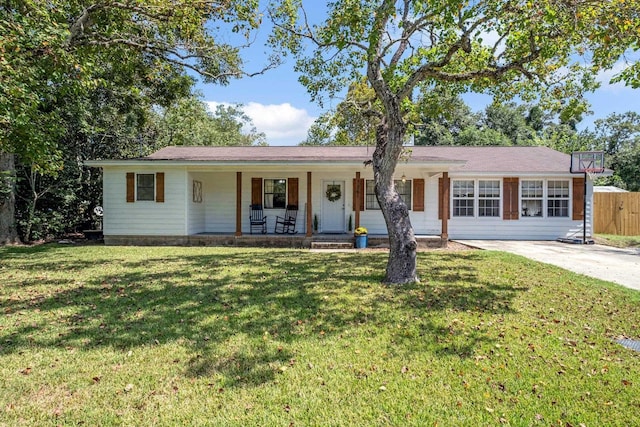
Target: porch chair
{"type": "Point", "coordinates": [257, 219]}
{"type": "Point", "coordinates": [287, 223]}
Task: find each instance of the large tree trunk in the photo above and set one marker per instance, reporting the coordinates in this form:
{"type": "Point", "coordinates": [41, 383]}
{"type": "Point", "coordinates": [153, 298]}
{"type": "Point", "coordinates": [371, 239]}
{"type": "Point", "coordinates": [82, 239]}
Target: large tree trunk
{"type": "Point", "coordinates": [8, 231]}
{"type": "Point", "coordinates": [401, 265]}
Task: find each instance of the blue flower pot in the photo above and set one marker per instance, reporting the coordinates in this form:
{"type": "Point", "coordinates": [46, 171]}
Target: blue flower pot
{"type": "Point", "coordinates": [361, 242]}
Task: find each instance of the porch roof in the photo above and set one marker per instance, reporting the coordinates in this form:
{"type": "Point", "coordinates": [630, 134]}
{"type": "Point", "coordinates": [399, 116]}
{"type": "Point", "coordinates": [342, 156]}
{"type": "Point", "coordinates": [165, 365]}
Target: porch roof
{"type": "Point", "coordinates": [281, 154]}
{"type": "Point", "coordinates": [455, 159]}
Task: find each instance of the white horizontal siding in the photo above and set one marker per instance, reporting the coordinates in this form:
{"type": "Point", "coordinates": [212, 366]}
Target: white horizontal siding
{"type": "Point", "coordinates": [144, 217]}
{"type": "Point", "coordinates": [427, 222]}
{"type": "Point", "coordinates": [179, 215]}
{"type": "Point", "coordinates": [220, 202]}
{"type": "Point", "coordinates": [524, 228]}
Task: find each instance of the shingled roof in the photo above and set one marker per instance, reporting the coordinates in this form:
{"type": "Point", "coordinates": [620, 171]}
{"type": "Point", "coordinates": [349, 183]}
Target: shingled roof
{"type": "Point", "coordinates": [463, 159]}
{"type": "Point", "coordinates": [506, 159]}
{"type": "Point", "coordinates": [315, 154]}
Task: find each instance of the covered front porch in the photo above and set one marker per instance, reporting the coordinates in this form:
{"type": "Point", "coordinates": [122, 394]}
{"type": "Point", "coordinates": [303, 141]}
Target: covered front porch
{"type": "Point", "coordinates": [328, 203]}
{"type": "Point", "coordinates": [187, 198]}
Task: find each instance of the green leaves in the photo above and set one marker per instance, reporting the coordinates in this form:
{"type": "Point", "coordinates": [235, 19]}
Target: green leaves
{"type": "Point", "coordinates": [54, 55]}
{"type": "Point", "coordinates": [485, 46]}
{"type": "Point", "coordinates": [188, 122]}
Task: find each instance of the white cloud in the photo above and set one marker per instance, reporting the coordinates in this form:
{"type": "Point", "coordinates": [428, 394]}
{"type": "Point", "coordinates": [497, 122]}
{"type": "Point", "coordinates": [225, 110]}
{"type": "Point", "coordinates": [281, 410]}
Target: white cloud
{"type": "Point", "coordinates": [283, 124]}
{"type": "Point", "coordinates": [604, 77]}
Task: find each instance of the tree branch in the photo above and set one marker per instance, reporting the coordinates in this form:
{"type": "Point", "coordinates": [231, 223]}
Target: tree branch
{"type": "Point", "coordinates": [309, 34]}
{"type": "Point", "coordinates": [181, 53]}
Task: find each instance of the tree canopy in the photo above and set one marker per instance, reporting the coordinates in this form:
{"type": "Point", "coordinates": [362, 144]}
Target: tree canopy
{"type": "Point", "coordinates": [618, 136]}
{"type": "Point", "coordinates": [188, 121]}
{"type": "Point", "coordinates": [352, 123]}
{"type": "Point", "coordinates": [534, 50]}
{"type": "Point", "coordinates": [54, 53]}
{"type": "Point", "coordinates": [86, 79]}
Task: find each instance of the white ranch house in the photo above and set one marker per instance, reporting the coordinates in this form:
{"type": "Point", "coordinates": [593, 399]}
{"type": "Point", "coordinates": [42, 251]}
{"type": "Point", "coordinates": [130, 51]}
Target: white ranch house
{"type": "Point", "coordinates": [202, 195]}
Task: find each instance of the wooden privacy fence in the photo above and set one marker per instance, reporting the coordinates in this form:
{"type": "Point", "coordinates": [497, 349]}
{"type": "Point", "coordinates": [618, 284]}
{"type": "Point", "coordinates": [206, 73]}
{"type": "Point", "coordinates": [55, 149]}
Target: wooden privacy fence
{"type": "Point", "coordinates": [617, 213]}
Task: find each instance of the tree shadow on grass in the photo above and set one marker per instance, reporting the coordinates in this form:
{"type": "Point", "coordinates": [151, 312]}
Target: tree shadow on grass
{"type": "Point", "coordinates": [222, 304]}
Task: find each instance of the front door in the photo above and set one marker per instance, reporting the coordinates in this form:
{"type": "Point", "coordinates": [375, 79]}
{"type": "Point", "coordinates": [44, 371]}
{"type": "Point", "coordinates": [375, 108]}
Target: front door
{"type": "Point", "coordinates": [332, 207]}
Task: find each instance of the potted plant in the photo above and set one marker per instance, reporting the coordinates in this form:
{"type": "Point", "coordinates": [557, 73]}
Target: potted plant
{"type": "Point", "coordinates": [360, 234]}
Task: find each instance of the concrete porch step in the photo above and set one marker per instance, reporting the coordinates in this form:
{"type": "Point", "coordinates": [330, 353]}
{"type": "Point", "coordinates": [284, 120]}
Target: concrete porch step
{"type": "Point", "coordinates": [328, 244]}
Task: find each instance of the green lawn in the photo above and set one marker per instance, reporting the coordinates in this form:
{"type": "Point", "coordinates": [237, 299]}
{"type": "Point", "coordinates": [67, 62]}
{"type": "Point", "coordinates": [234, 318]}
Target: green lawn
{"type": "Point", "coordinates": [618, 241]}
{"type": "Point", "coordinates": [96, 336]}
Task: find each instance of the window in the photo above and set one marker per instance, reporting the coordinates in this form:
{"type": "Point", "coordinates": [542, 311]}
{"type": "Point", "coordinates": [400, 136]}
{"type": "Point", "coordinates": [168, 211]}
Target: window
{"type": "Point", "coordinates": [275, 193]}
{"type": "Point", "coordinates": [371, 202]}
{"type": "Point", "coordinates": [403, 189]}
{"type": "Point", "coordinates": [532, 196]}
{"type": "Point", "coordinates": [489, 198]}
{"type": "Point", "coordinates": [558, 198]}
{"type": "Point", "coordinates": [145, 186]}
{"type": "Point", "coordinates": [463, 197]}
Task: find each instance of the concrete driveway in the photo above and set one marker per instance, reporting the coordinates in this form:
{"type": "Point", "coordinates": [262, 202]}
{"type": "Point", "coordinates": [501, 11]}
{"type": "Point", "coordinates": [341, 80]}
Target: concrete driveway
{"type": "Point", "coordinates": [621, 266]}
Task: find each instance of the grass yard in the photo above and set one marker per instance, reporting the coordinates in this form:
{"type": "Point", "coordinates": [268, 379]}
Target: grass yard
{"type": "Point", "coordinates": [618, 241]}
{"type": "Point", "coordinates": [136, 336]}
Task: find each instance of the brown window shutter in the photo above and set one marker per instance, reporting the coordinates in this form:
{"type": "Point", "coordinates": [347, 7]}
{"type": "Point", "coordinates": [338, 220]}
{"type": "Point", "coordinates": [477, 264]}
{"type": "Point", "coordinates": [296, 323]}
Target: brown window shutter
{"type": "Point", "coordinates": [578, 199]}
{"type": "Point", "coordinates": [441, 187]}
{"type": "Point", "coordinates": [292, 191]}
{"type": "Point", "coordinates": [131, 187]}
{"type": "Point", "coordinates": [358, 194]}
{"type": "Point", "coordinates": [256, 191]}
{"type": "Point", "coordinates": [160, 187]}
{"type": "Point", "coordinates": [510, 198]}
{"type": "Point", "coordinates": [418, 195]}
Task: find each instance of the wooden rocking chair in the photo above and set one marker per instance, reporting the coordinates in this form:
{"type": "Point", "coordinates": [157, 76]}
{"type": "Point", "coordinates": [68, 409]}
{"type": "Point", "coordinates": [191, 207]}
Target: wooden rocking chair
{"type": "Point", "coordinates": [257, 219]}
{"type": "Point", "coordinates": [287, 223]}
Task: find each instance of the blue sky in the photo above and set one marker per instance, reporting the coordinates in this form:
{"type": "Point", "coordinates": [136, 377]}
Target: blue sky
{"type": "Point", "coordinates": [281, 107]}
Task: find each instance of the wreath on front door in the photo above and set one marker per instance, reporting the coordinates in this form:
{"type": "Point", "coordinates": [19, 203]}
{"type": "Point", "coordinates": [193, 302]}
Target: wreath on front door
{"type": "Point", "coordinates": [333, 192]}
